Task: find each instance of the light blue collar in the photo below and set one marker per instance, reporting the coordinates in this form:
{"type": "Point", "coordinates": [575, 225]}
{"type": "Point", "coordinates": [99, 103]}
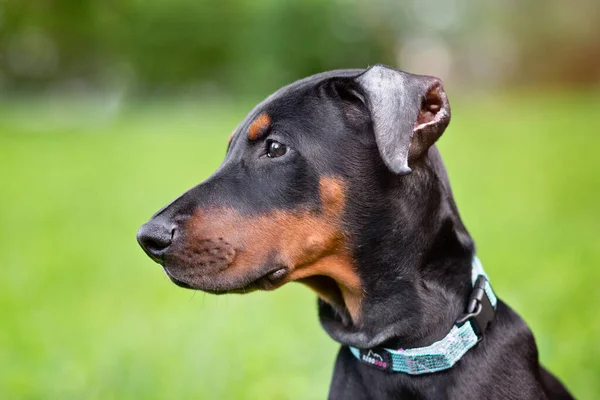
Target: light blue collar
{"type": "Point", "coordinates": [443, 354]}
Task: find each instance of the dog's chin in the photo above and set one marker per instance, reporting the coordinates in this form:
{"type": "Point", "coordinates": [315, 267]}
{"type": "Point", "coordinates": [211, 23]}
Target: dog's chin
{"type": "Point", "coordinates": [223, 283]}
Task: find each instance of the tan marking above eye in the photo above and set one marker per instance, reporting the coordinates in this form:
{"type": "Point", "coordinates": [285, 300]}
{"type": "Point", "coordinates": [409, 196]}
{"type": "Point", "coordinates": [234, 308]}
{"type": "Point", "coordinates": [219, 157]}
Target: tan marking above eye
{"type": "Point", "coordinates": [311, 245]}
{"type": "Point", "coordinates": [259, 126]}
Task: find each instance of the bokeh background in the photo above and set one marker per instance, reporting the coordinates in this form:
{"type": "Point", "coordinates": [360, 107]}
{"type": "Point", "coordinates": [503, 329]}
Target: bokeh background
{"type": "Point", "coordinates": [111, 108]}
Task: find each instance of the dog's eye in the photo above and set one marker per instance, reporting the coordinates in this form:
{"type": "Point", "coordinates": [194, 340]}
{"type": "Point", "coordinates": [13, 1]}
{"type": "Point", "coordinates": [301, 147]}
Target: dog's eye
{"type": "Point", "coordinates": [276, 149]}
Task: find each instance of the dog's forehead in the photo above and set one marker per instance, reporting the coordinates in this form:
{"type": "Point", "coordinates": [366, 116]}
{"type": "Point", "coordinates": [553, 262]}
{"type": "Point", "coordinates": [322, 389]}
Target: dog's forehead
{"type": "Point", "coordinates": [289, 93]}
{"type": "Point", "coordinates": [308, 82]}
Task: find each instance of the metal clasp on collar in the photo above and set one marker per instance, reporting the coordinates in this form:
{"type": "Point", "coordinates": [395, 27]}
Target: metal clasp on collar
{"type": "Point", "coordinates": [480, 310]}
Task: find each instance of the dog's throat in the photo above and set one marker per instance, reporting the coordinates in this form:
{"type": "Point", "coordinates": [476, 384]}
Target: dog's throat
{"type": "Point", "coordinates": [344, 301]}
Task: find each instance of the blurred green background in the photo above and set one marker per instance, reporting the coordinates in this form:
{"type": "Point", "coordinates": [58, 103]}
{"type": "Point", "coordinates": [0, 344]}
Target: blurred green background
{"type": "Point", "coordinates": [109, 109]}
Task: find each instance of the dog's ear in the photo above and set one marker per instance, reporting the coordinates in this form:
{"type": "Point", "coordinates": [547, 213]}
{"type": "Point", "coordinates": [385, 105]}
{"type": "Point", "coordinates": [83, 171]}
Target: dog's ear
{"type": "Point", "coordinates": [408, 112]}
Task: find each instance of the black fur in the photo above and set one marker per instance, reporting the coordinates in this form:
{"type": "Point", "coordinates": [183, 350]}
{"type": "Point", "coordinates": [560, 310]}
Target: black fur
{"type": "Point", "coordinates": [410, 248]}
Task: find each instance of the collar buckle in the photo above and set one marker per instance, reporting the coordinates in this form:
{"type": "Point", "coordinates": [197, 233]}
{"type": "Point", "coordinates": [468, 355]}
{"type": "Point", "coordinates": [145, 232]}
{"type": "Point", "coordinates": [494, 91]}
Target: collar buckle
{"type": "Point", "coordinates": [480, 311]}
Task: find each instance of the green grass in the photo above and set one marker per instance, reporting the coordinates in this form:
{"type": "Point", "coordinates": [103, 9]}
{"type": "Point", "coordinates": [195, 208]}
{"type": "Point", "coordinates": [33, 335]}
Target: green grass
{"type": "Point", "coordinates": [85, 314]}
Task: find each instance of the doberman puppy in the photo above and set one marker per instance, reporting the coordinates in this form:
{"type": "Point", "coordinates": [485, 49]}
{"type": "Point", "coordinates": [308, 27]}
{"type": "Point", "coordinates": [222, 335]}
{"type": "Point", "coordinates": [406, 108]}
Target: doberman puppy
{"type": "Point", "coordinates": [334, 182]}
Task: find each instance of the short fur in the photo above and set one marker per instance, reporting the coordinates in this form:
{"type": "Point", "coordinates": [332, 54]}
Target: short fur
{"type": "Point", "coordinates": [360, 210]}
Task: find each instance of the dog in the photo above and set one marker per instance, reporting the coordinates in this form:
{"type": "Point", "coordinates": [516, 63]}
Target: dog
{"type": "Point", "coordinates": [335, 182]}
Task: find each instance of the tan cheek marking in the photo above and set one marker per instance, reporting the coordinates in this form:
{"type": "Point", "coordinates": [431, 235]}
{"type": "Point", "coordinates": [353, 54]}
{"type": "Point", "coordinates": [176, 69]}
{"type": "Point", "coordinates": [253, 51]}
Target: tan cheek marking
{"type": "Point", "coordinates": [230, 137]}
{"type": "Point", "coordinates": [259, 126]}
{"type": "Point", "coordinates": [336, 260]}
{"type": "Point", "coordinates": [310, 245]}
{"type": "Point", "coordinates": [333, 197]}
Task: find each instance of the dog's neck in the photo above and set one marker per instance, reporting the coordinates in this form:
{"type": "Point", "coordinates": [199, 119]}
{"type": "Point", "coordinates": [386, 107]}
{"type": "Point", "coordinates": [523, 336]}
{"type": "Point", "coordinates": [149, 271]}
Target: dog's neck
{"type": "Point", "coordinates": [417, 276]}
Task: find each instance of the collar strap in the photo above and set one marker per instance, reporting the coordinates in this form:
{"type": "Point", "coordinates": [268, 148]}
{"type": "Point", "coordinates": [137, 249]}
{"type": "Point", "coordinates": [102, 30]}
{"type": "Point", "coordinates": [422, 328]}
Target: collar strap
{"type": "Point", "coordinates": [443, 354]}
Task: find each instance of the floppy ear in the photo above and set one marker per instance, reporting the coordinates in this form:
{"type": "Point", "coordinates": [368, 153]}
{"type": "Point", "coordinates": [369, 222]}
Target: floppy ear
{"type": "Point", "coordinates": [409, 113]}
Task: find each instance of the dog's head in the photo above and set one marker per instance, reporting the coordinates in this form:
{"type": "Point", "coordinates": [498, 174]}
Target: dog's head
{"type": "Point", "coordinates": [305, 174]}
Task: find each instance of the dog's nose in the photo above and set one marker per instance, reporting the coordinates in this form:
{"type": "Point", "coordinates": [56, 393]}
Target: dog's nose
{"type": "Point", "coordinates": [155, 236]}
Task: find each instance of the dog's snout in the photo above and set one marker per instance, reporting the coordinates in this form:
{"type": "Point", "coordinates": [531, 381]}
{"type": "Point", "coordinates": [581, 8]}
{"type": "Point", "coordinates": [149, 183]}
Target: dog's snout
{"type": "Point", "coordinates": [155, 237]}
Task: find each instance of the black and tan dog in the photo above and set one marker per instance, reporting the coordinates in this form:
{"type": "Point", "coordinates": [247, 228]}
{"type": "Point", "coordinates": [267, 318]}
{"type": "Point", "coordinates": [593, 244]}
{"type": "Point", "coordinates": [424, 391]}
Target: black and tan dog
{"type": "Point", "coordinates": [334, 181]}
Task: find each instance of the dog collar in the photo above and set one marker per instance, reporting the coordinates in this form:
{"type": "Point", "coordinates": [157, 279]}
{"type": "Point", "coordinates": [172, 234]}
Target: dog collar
{"type": "Point", "coordinates": [443, 354]}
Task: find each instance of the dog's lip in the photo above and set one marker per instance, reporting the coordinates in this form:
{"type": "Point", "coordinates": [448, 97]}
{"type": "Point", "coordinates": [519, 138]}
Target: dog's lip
{"type": "Point", "coordinates": [177, 281]}
{"type": "Point", "coordinates": [269, 280]}
{"type": "Point", "coordinates": [277, 275]}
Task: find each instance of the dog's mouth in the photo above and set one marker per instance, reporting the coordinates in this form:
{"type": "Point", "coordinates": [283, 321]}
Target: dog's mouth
{"type": "Point", "coordinates": [222, 284]}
